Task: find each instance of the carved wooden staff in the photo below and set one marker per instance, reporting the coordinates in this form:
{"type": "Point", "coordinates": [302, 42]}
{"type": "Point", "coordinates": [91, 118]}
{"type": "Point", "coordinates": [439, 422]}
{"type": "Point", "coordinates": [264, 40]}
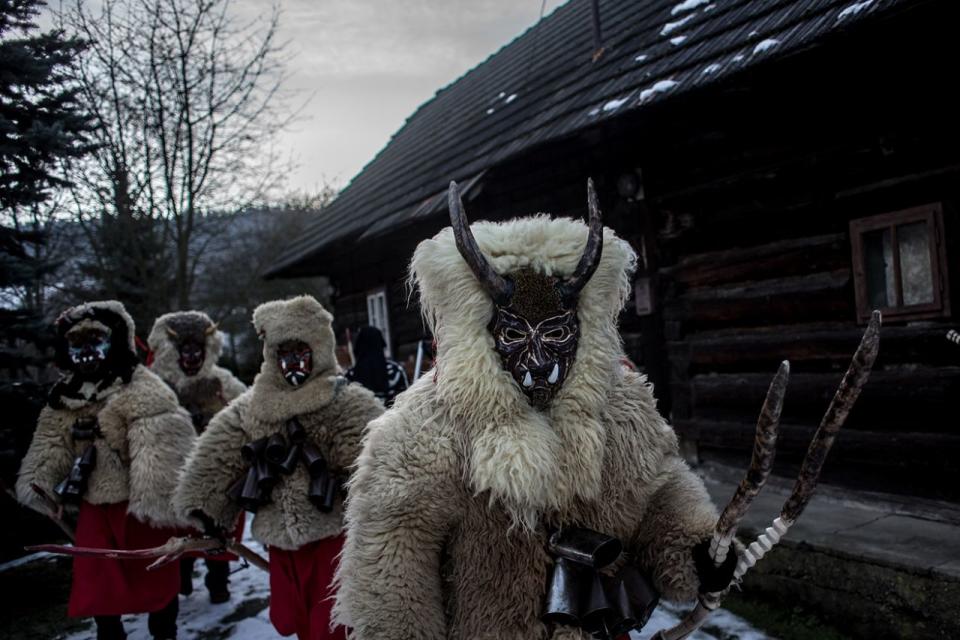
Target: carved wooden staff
{"type": "Point", "coordinates": [843, 401]}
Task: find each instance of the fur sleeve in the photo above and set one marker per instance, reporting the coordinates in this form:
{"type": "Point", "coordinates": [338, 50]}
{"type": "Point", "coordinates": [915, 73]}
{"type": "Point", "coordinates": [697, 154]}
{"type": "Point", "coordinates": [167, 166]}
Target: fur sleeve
{"type": "Point", "coordinates": [358, 406]}
{"type": "Point", "coordinates": [213, 465]}
{"type": "Point", "coordinates": [232, 387]}
{"type": "Point", "coordinates": [680, 514]}
{"type": "Point", "coordinates": [48, 460]}
{"type": "Point", "coordinates": [400, 507]}
{"type": "Point", "coordinates": [158, 446]}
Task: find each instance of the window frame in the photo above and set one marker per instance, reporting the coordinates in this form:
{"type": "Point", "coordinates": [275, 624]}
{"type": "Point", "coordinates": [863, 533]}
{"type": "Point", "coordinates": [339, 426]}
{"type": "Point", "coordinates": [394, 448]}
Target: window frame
{"type": "Point", "coordinates": [373, 295]}
{"type": "Point", "coordinates": [932, 214]}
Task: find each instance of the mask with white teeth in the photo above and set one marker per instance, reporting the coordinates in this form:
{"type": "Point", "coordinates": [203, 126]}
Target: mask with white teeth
{"type": "Point", "coordinates": [87, 350]}
{"type": "Point", "coordinates": [295, 360]}
{"type": "Point", "coordinates": [534, 324]}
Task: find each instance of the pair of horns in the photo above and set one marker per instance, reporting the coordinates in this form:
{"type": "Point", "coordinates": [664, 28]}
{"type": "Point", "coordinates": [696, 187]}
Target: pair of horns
{"type": "Point", "coordinates": [499, 287]}
{"type": "Point", "coordinates": [176, 336]}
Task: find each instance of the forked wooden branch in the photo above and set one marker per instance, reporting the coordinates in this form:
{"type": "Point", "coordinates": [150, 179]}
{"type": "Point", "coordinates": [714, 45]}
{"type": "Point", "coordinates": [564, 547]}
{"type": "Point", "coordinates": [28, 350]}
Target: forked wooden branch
{"type": "Point", "coordinates": [843, 401]}
{"type": "Point", "coordinates": [166, 553]}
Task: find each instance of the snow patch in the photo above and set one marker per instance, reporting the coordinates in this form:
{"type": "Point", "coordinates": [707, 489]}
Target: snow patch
{"type": "Point", "coordinates": [687, 5]}
{"type": "Point", "coordinates": [510, 98]}
{"type": "Point", "coordinates": [640, 58]}
{"type": "Point", "coordinates": [594, 111]}
{"type": "Point", "coordinates": [709, 7]}
{"type": "Point", "coordinates": [854, 9]}
{"type": "Point", "coordinates": [765, 45]}
{"type": "Point", "coordinates": [501, 94]}
{"type": "Point", "coordinates": [711, 69]}
{"type": "Point", "coordinates": [670, 27]}
{"type": "Point", "coordinates": [489, 111]}
{"type": "Point", "coordinates": [615, 104]}
{"type": "Point", "coordinates": [659, 87]}
{"type": "Point", "coordinates": [678, 40]}
{"type": "Point", "coordinates": [739, 57]}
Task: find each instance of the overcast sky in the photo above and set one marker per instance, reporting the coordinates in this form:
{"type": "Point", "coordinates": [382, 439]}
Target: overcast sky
{"type": "Point", "coordinates": [368, 64]}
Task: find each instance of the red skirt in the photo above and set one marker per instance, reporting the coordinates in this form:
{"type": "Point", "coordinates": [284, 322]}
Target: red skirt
{"type": "Point", "coordinates": [301, 596]}
{"type": "Point", "coordinates": [105, 587]}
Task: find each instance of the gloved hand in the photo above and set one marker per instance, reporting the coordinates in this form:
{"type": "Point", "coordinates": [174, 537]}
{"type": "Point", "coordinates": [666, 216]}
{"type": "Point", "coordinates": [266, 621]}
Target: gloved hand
{"type": "Point", "coordinates": [211, 530]}
{"type": "Point", "coordinates": [713, 578]}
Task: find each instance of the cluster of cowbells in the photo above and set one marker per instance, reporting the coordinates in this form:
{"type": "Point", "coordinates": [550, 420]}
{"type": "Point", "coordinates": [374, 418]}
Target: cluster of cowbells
{"type": "Point", "coordinates": [579, 595]}
{"type": "Point", "coordinates": [272, 457]}
{"type": "Point", "coordinates": [72, 488]}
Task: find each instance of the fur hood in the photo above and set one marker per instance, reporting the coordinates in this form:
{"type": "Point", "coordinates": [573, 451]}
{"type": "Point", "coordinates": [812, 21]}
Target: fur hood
{"type": "Point", "coordinates": [164, 347]}
{"type": "Point", "coordinates": [533, 461]}
{"type": "Point", "coordinates": [301, 318]}
{"type": "Point", "coordinates": [109, 316]}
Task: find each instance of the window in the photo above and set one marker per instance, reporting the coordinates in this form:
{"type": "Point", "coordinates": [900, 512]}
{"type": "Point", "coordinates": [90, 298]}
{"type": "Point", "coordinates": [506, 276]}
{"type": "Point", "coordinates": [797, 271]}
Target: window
{"type": "Point", "coordinates": [899, 264]}
{"type": "Point", "coordinates": [378, 315]}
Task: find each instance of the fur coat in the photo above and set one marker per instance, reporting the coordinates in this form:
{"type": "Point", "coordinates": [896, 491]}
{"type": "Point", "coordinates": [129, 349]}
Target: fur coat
{"type": "Point", "coordinates": [145, 438]}
{"type": "Point", "coordinates": [212, 387]}
{"type": "Point", "coordinates": [458, 483]}
{"type": "Point", "coordinates": [332, 412]}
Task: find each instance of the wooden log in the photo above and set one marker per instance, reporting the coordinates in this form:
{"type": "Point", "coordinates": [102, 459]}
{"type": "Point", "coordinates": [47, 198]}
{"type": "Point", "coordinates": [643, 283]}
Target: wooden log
{"type": "Point", "coordinates": [816, 345]}
{"type": "Point", "coordinates": [782, 258]}
{"type": "Point", "coordinates": [905, 400]}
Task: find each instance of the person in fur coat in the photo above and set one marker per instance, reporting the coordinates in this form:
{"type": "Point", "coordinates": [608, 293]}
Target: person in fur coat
{"type": "Point", "coordinates": [473, 493]}
{"type": "Point", "coordinates": [110, 440]}
{"type": "Point", "coordinates": [185, 346]}
{"type": "Point", "coordinates": [281, 450]}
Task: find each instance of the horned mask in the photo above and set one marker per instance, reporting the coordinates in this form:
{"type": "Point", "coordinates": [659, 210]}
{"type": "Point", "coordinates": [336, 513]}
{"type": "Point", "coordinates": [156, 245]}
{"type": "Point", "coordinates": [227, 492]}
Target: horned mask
{"type": "Point", "coordinates": [534, 324]}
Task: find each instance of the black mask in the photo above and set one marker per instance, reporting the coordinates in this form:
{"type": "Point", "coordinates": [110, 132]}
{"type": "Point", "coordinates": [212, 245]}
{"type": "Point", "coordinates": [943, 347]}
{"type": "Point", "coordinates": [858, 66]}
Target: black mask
{"type": "Point", "coordinates": [534, 325]}
{"type": "Point", "coordinates": [191, 357]}
{"type": "Point", "coordinates": [536, 337]}
{"type": "Point", "coordinates": [295, 359]}
{"type": "Point", "coordinates": [87, 351]}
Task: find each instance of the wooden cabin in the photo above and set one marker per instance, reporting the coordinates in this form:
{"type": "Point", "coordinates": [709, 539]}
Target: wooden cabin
{"type": "Point", "coordinates": [782, 167]}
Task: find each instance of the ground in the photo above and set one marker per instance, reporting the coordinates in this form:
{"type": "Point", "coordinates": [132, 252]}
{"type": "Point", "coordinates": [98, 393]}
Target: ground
{"type": "Point", "coordinates": [244, 617]}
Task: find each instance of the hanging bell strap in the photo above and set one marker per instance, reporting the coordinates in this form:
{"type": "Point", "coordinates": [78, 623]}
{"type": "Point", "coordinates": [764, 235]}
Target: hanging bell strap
{"type": "Point", "coordinates": [579, 595]}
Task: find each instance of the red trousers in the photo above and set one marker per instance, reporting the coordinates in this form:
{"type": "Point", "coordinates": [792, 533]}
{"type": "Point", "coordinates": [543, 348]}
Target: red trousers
{"type": "Point", "coordinates": [300, 590]}
{"type": "Point", "coordinates": [105, 587]}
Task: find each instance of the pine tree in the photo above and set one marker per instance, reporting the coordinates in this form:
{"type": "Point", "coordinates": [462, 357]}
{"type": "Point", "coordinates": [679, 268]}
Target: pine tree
{"type": "Point", "coordinates": [41, 120]}
{"type": "Point", "coordinates": [42, 127]}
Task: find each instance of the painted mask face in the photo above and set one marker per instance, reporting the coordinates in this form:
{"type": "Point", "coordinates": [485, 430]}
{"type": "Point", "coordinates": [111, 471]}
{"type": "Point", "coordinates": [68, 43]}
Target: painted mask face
{"type": "Point", "coordinates": [295, 359]}
{"type": "Point", "coordinates": [536, 337]}
{"type": "Point", "coordinates": [534, 325]}
{"type": "Point", "coordinates": [191, 357]}
{"type": "Point", "coordinates": [87, 350]}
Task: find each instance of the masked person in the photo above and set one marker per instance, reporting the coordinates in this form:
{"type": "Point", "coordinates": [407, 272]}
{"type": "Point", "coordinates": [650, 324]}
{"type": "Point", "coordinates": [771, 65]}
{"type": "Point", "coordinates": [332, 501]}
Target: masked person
{"type": "Point", "coordinates": [282, 451]}
{"type": "Point", "coordinates": [529, 489]}
{"type": "Point", "coordinates": [186, 346]}
{"type": "Point", "coordinates": [110, 441]}
{"type": "Point", "coordinates": [373, 370]}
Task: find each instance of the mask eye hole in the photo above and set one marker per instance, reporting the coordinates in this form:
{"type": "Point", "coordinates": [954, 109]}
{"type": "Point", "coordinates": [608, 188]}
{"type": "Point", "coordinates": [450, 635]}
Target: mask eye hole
{"type": "Point", "coordinates": [557, 333]}
{"type": "Point", "coordinates": [513, 335]}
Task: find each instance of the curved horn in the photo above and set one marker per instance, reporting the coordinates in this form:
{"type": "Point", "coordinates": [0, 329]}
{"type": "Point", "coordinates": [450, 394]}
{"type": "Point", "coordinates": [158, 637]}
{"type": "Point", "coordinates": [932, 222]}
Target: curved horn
{"type": "Point", "coordinates": [211, 329]}
{"type": "Point", "coordinates": [590, 260]}
{"type": "Point", "coordinates": [499, 288]}
{"type": "Point", "coordinates": [173, 334]}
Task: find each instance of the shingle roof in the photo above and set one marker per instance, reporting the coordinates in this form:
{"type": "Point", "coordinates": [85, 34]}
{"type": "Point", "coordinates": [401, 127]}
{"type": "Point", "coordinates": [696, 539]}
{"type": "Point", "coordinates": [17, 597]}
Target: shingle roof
{"type": "Point", "coordinates": [544, 86]}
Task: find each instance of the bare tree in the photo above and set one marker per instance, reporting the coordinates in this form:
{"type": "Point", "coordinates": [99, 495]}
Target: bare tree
{"type": "Point", "coordinates": [187, 101]}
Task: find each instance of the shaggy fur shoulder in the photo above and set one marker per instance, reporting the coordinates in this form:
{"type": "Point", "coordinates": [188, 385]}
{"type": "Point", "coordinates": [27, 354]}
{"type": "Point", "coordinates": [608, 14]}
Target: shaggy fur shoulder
{"type": "Point", "coordinates": [290, 520]}
{"type": "Point", "coordinates": [145, 438]}
{"type": "Point", "coordinates": [403, 499]}
{"type": "Point", "coordinates": [213, 465]}
{"type": "Point", "coordinates": [48, 460]}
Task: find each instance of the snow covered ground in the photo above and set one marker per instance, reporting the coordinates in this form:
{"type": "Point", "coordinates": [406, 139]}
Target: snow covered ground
{"type": "Point", "coordinates": [245, 616]}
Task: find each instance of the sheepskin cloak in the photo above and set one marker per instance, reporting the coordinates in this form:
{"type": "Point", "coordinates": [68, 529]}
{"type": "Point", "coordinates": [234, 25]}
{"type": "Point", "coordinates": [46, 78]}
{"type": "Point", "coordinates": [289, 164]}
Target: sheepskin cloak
{"type": "Point", "coordinates": [210, 377]}
{"type": "Point", "coordinates": [146, 437]}
{"type": "Point", "coordinates": [457, 484]}
{"type": "Point", "coordinates": [128, 502]}
{"type": "Point", "coordinates": [332, 412]}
